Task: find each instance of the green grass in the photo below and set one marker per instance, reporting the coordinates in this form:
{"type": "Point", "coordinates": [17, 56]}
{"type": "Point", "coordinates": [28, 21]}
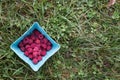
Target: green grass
{"type": "Point", "coordinates": [88, 32]}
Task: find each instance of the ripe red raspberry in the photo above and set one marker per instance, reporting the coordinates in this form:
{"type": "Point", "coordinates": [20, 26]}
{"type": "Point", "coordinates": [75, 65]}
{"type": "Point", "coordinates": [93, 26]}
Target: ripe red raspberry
{"type": "Point", "coordinates": [33, 37]}
{"type": "Point", "coordinates": [35, 61]}
{"type": "Point", "coordinates": [25, 40]}
{"type": "Point", "coordinates": [22, 49]}
{"type": "Point", "coordinates": [39, 52]}
{"type": "Point", "coordinates": [36, 49]}
{"type": "Point", "coordinates": [45, 40]}
{"type": "Point", "coordinates": [30, 50]}
{"type": "Point", "coordinates": [43, 53]}
{"type": "Point", "coordinates": [44, 46]}
{"type": "Point", "coordinates": [40, 36]}
{"type": "Point", "coordinates": [26, 53]}
{"type": "Point", "coordinates": [27, 46]}
{"type": "Point", "coordinates": [33, 45]}
{"type": "Point", "coordinates": [35, 54]}
{"type": "Point", "coordinates": [30, 41]}
{"type": "Point", "coordinates": [49, 43]}
{"type": "Point", "coordinates": [39, 58]}
{"type": "Point", "coordinates": [36, 32]}
{"type": "Point", "coordinates": [38, 45]}
{"type": "Point", "coordinates": [37, 41]}
{"type": "Point", "coordinates": [48, 48]}
{"type": "Point", "coordinates": [20, 44]}
{"type": "Point", "coordinates": [41, 41]}
{"type": "Point", "coordinates": [30, 56]}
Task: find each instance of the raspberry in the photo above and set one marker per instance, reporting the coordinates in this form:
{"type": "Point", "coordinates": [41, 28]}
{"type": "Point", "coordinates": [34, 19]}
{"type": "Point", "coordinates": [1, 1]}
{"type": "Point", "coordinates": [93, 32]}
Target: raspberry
{"type": "Point", "coordinates": [39, 52]}
{"type": "Point", "coordinates": [35, 61]}
{"type": "Point", "coordinates": [37, 41]}
{"type": "Point", "coordinates": [41, 41]}
{"type": "Point", "coordinates": [30, 56]}
{"type": "Point", "coordinates": [48, 48]}
{"type": "Point", "coordinates": [20, 44]}
{"type": "Point", "coordinates": [25, 40]}
{"type": "Point", "coordinates": [43, 53]}
{"type": "Point", "coordinates": [26, 53]}
{"type": "Point", "coordinates": [30, 41]}
{"type": "Point", "coordinates": [22, 49]}
{"type": "Point", "coordinates": [36, 49]}
{"type": "Point", "coordinates": [35, 54]}
{"type": "Point", "coordinates": [33, 45]}
{"type": "Point", "coordinates": [49, 43]}
{"type": "Point", "coordinates": [40, 36]}
{"type": "Point", "coordinates": [45, 40]}
{"type": "Point", "coordinates": [39, 58]}
{"type": "Point", "coordinates": [36, 32]}
{"type": "Point", "coordinates": [27, 46]}
{"type": "Point", "coordinates": [44, 46]}
{"type": "Point", "coordinates": [29, 50]}
{"type": "Point", "coordinates": [38, 45]}
{"type": "Point", "coordinates": [32, 37]}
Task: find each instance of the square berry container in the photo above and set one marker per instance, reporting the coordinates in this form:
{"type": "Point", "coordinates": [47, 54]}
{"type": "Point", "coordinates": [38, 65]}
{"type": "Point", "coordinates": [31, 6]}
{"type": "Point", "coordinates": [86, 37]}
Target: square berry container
{"type": "Point", "coordinates": [55, 47]}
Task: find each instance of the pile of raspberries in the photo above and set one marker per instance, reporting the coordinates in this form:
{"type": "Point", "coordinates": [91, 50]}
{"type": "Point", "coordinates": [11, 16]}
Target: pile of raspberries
{"type": "Point", "coordinates": [35, 46]}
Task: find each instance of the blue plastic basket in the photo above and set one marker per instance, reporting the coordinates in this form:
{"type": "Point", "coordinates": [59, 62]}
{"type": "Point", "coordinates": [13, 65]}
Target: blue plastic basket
{"type": "Point", "coordinates": [16, 49]}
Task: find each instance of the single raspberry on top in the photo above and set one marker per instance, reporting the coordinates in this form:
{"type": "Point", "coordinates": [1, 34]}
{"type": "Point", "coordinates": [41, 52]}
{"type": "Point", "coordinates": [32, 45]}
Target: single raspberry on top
{"type": "Point", "coordinates": [27, 46]}
{"type": "Point", "coordinates": [45, 40]}
{"type": "Point", "coordinates": [25, 40]}
{"type": "Point", "coordinates": [22, 49]}
{"type": "Point", "coordinates": [43, 53]}
{"type": "Point", "coordinates": [35, 60]}
{"type": "Point", "coordinates": [48, 48]}
{"type": "Point", "coordinates": [40, 36]}
{"type": "Point", "coordinates": [37, 41]}
{"type": "Point", "coordinates": [33, 37]}
{"type": "Point", "coordinates": [20, 44]}
{"type": "Point", "coordinates": [30, 41]}
{"type": "Point", "coordinates": [39, 58]}
{"type": "Point", "coordinates": [35, 54]}
{"type": "Point", "coordinates": [36, 32]}
{"type": "Point", "coordinates": [26, 53]}
{"type": "Point", "coordinates": [30, 50]}
{"type": "Point", "coordinates": [30, 56]}
{"type": "Point", "coordinates": [49, 43]}
{"type": "Point", "coordinates": [33, 45]}
{"type": "Point", "coordinates": [36, 48]}
{"type": "Point", "coordinates": [44, 46]}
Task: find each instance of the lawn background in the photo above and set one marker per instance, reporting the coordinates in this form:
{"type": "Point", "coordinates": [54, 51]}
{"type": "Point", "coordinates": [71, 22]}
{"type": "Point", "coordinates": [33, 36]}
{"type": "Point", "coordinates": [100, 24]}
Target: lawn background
{"type": "Point", "coordinates": [88, 32]}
